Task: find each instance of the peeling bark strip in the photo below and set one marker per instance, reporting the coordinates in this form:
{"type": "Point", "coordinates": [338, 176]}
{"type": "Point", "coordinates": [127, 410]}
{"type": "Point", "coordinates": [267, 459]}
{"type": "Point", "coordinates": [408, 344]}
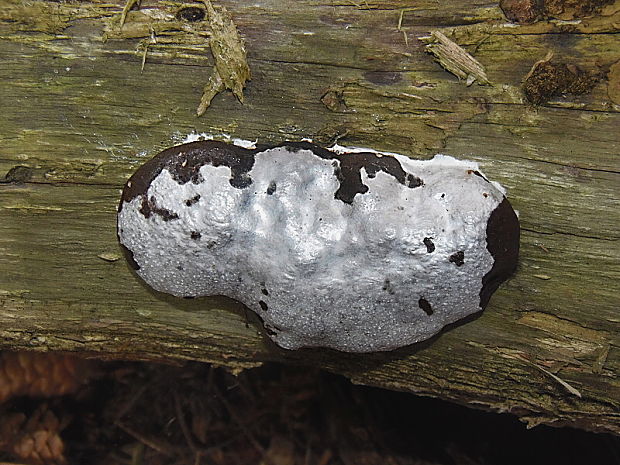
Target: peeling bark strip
{"type": "Point", "coordinates": [332, 216]}
{"type": "Point", "coordinates": [231, 66]}
{"type": "Point", "coordinates": [184, 163]}
{"type": "Point", "coordinates": [128, 6]}
{"type": "Point", "coordinates": [455, 59]}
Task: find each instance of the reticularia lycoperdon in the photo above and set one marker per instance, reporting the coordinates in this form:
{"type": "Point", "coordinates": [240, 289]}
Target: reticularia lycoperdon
{"type": "Point", "coordinates": [358, 252]}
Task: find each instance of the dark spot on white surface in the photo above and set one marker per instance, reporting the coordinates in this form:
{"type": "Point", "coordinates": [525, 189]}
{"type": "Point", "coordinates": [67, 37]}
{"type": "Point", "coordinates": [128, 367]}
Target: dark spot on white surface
{"type": "Point", "coordinates": [242, 181]}
{"type": "Point", "coordinates": [413, 181]}
{"type": "Point", "coordinates": [149, 206]}
{"type": "Point", "coordinates": [458, 258]}
{"type": "Point", "coordinates": [350, 173]}
{"type": "Point", "coordinates": [425, 305]}
{"type": "Point", "coordinates": [195, 235]}
{"type": "Point", "coordinates": [263, 305]}
{"type": "Point", "coordinates": [430, 246]}
{"type": "Point", "coordinates": [180, 267]}
{"type": "Point", "coordinates": [193, 200]}
{"type": "Point", "coordinates": [387, 287]}
{"type": "Point", "coordinates": [264, 291]}
{"type": "Point", "coordinates": [271, 188]}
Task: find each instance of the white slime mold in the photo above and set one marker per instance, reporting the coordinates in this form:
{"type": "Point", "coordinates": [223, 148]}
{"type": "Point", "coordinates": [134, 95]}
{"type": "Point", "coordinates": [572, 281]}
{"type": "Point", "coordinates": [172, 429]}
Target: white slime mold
{"type": "Point", "coordinates": [358, 251]}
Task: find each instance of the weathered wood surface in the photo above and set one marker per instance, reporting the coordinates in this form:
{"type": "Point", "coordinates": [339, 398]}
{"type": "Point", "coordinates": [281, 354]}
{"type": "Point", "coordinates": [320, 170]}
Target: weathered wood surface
{"type": "Point", "coordinates": [78, 116]}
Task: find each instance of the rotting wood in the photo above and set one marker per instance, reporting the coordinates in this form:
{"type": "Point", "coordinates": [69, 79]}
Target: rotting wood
{"type": "Point", "coordinates": [80, 116]}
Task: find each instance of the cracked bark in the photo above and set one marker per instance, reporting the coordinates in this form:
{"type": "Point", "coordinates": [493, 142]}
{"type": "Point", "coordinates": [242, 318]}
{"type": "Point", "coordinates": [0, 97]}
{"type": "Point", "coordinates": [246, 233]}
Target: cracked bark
{"type": "Point", "coordinates": [80, 115]}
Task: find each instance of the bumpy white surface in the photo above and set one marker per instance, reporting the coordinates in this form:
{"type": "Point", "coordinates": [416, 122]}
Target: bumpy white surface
{"type": "Point", "coordinates": [329, 274]}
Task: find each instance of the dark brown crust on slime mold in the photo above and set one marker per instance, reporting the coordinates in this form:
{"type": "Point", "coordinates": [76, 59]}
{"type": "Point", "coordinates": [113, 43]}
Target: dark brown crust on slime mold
{"type": "Point", "coordinates": [129, 257]}
{"type": "Point", "coordinates": [425, 305]}
{"type": "Point", "coordinates": [349, 173]}
{"type": "Point", "coordinates": [458, 258]}
{"type": "Point", "coordinates": [184, 163]}
{"type": "Point", "coordinates": [149, 206]}
{"type": "Point", "coordinates": [503, 244]}
{"type": "Point", "coordinates": [430, 245]}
